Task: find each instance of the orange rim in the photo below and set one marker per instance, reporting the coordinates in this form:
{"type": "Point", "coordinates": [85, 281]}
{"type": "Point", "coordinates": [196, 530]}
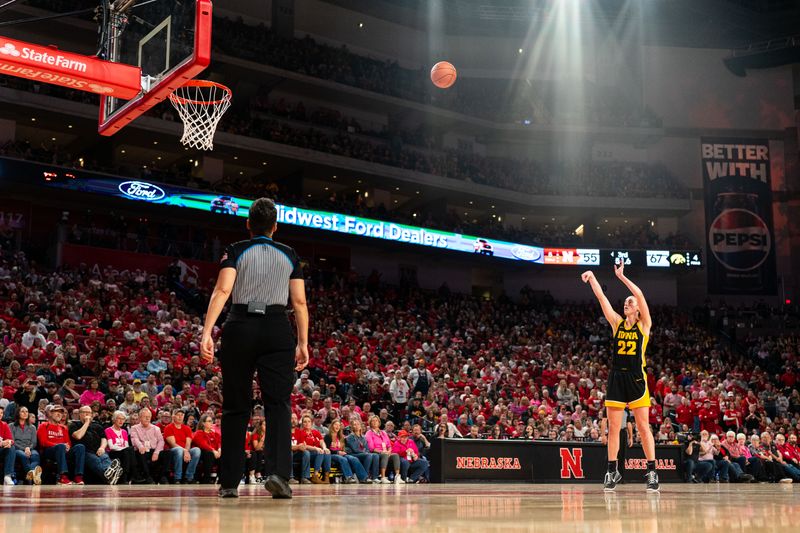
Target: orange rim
{"type": "Point", "coordinates": [201, 83]}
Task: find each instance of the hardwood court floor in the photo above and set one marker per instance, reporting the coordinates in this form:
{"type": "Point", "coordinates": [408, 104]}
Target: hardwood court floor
{"type": "Point", "coordinates": [409, 509]}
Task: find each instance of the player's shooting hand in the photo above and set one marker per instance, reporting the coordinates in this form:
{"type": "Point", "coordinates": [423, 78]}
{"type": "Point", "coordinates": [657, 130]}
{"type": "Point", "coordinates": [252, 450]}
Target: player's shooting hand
{"type": "Point", "coordinates": [619, 269]}
{"type": "Point", "coordinates": [587, 276]}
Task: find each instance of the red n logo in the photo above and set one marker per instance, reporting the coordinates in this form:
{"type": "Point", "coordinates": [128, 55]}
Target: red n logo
{"type": "Point", "coordinates": [571, 463]}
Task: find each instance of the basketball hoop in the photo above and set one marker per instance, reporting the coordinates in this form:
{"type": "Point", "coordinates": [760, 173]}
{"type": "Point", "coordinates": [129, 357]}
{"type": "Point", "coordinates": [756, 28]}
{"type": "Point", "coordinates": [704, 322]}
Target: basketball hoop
{"type": "Point", "coordinates": [200, 105]}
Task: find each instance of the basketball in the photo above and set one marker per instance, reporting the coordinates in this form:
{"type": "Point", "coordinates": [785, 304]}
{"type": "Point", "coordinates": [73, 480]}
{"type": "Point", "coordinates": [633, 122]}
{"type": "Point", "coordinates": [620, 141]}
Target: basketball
{"type": "Point", "coordinates": [443, 74]}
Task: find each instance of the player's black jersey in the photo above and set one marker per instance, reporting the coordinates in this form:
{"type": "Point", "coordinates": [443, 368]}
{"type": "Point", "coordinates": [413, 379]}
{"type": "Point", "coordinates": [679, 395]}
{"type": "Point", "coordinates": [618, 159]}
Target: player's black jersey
{"type": "Point", "coordinates": [628, 348]}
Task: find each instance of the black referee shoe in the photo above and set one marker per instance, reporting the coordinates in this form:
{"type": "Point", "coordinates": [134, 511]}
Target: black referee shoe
{"type": "Point", "coordinates": [228, 493]}
{"type": "Point", "coordinates": [278, 487]}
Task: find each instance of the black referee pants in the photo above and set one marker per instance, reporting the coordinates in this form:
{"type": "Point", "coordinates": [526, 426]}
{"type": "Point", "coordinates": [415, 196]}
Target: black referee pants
{"type": "Point", "coordinates": [267, 344]}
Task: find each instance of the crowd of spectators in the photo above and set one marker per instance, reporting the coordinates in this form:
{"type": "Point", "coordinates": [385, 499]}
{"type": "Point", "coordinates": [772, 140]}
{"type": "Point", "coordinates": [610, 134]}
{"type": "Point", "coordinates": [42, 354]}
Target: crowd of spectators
{"type": "Point", "coordinates": [417, 150]}
{"type": "Point", "coordinates": [325, 131]}
{"type": "Point", "coordinates": [52, 153]}
{"type": "Point", "coordinates": [525, 101]}
{"type": "Point", "coordinates": [633, 235]}
{"type": "Point", "coordinates": [131, 233]}
{"type": "Point", "coordinates": [93, 356]}
{"type": "Point", "coordinates": [325, 117]}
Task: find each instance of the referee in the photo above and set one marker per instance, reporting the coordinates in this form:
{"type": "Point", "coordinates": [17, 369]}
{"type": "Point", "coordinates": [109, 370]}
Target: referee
{"type": "Point", "coordinates": [262, 276]}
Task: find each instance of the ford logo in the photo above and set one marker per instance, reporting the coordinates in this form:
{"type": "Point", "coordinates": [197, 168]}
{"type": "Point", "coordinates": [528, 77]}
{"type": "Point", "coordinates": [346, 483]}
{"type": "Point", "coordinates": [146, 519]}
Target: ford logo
{"type": "Point", "coordinates": [526, 253]}
{"type": "Point", "coordinates": [141, 190]}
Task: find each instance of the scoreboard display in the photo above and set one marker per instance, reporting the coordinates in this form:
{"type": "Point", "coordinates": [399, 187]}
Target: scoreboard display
{"type": "Point", "coordinates": [176, 197]}
{"type": "Point", "coordinates": [571, 256]}
{"type": "Point", "coordinates": [675, 259]}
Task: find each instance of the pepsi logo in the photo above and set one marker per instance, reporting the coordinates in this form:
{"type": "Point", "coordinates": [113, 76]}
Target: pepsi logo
{"type": "Point", "coordinates": [526, 253]}
{"type": "Point", "coordinates": [141, 190]}
{"type": "Point", "coordinates": [739, 239]}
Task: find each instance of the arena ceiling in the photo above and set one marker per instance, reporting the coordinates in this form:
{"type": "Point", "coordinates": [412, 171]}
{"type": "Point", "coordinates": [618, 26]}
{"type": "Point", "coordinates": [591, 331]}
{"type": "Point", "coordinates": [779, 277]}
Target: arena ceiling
{"type": "Point", "coordinates": [691, 23]}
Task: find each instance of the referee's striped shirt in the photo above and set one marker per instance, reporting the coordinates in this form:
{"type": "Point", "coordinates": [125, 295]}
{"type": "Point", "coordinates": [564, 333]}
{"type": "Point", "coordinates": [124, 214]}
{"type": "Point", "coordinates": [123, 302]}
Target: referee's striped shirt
{"type": "Point", "coordinates": [263, 270]}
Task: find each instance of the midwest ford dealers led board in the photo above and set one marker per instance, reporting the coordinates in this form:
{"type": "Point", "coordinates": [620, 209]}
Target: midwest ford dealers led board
{"type": "Point", "coordinates": [157, 193]}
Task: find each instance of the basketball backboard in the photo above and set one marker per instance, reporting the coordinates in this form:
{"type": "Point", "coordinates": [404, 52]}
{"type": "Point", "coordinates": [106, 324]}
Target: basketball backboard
{"type": "Point", "coordinates": [169, 40]}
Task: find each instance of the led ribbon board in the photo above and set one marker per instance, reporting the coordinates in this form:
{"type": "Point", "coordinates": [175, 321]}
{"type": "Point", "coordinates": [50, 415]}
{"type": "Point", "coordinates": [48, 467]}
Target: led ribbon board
{"type": "Point", "coordinates": [155, 193]}
{"type": "Point", "coordinates": [323, 220]}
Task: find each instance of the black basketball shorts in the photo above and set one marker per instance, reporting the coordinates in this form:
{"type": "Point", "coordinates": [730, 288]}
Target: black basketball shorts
{"type": "Point", "coordinates": [627, 388]}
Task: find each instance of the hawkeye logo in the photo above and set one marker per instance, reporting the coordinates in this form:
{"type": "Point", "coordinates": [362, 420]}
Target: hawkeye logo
{"type": "Point", "coordinates": [739, 239]}
{"type": "Point", "coordinates": [677, 259]}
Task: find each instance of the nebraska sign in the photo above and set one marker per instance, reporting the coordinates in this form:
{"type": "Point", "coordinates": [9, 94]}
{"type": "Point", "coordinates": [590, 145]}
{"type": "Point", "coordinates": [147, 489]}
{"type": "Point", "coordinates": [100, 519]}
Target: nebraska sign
{"type": "Point", "coordinates": [543, 461]}
{"type": "Point", "coordinates": [487, 463]}
{"type": "Point", "coordinates": [571, 463]}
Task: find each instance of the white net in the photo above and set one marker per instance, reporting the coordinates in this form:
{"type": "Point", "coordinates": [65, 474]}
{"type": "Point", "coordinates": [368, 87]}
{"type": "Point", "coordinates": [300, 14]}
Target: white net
{"type": "Point", "coordinates": [200, 105]}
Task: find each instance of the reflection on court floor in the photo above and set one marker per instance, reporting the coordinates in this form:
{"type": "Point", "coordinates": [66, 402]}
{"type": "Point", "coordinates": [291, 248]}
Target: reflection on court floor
{"type": "Point", "coordinates": [457, 508]}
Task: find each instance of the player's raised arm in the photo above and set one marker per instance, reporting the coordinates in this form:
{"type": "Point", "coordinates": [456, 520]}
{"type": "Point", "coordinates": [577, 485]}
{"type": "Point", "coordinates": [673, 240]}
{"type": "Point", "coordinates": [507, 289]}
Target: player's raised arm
{"type": "Point", "coordinates": [611, 316]}
{"type": "Point", "coordinates": [644, 310]}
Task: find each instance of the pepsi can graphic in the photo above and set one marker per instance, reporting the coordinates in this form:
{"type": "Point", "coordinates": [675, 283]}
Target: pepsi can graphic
{"type": "Point", "coordinates": [739, 239]}
{"type": "Point", "coordinates": [738, 205]}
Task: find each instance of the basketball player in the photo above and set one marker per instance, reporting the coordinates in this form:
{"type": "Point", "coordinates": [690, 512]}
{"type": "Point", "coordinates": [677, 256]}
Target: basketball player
{"type": "Point", "coordinates": [627, 383]}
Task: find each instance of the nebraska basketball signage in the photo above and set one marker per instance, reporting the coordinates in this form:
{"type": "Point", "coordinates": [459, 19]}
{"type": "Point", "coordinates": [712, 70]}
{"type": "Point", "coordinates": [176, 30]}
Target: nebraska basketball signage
{"type": "Point", "coordinates": [571, 463]}
{"type": "Point", "coordinates": [542, 461]}
{"type": "Point", "coordinates": [641, 464]}
{"type": "Point", "coordinates": [488, 463]}
{"type": "Point", "coordinates": [738, 201]}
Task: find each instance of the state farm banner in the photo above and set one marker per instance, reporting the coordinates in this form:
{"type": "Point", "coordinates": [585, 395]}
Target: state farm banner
{"type": "Point", "coordinates": [74, 71]}
{"type": "Point", "coordinates": [738, 200]}
{"type": "Point", "coordinates": [543, 461]}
